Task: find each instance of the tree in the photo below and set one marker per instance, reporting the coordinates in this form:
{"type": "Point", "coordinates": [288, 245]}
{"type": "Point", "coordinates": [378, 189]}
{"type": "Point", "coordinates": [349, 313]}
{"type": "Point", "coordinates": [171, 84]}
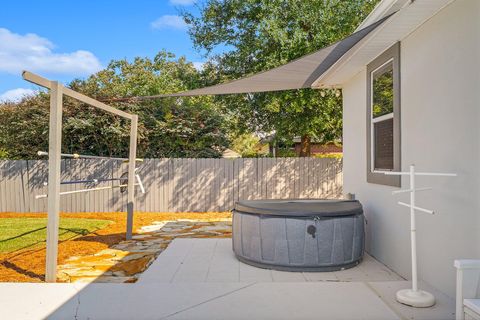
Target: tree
{"type": "Point", "coordinates": [167, 127]}
{"type": "Point", "coordinates": [249, 146]}
{"type": "Point", "coordinates": [171, 127]}
{"type": "Point", "coordinates": [263, 34]}
{"type": "Point", "coordinates": [24, 127]}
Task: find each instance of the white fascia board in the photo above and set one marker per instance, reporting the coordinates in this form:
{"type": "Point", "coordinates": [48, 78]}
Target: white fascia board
{"type": "Point", "coordinates": [382, 9]}
{"type": "Point", "coordinates": [392, 30]}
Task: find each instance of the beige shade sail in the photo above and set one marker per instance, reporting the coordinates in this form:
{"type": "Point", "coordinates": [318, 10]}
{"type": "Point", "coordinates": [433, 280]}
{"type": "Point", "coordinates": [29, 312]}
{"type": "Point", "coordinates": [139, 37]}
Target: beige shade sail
{"type": "Point", "coordinates": [299, 73]}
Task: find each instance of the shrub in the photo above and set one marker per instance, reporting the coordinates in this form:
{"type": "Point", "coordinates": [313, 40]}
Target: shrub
{"type": "Point", "coordinates": [3, 154]}
{"type": "Point", "coordinates": [329, 155]}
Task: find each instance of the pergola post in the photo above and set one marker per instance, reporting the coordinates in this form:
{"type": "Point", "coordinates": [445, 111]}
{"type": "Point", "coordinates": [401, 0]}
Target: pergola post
{"type": "Point", "coordinates": [131, 175]}
{"type": "Point", "coordinates": [54, 171]}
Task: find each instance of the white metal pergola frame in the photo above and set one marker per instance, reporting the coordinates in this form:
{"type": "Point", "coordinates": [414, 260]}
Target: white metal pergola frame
{"type": "Point", "coordinates": [57, 91]}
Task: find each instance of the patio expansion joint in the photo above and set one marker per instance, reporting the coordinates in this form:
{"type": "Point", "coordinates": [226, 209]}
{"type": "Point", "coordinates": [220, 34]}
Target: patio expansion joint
{"type": "Point", "coordinates": [185, 255]}
{"type": "Point", "coordinates": [77, 308]}
{"type": "Point", "coordinates": [208, 300]}
{"type": "Point", "coordinates": [211, 258]}
{"type": "Point", "coordinates": [385, 301]}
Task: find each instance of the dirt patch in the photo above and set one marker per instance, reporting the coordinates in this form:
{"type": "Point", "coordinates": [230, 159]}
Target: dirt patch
{"type": "Point", "coordinates": [29, 265]}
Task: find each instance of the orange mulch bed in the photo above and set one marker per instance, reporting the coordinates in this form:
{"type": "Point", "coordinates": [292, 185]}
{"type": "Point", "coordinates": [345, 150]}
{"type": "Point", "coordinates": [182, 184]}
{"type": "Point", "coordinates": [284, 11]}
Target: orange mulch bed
{"type": "Point", "coordinates": [29, 265]}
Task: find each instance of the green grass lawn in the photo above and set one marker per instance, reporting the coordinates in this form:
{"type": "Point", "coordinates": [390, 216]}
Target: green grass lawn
{"type": "Point", "coordinates": [19, 233]}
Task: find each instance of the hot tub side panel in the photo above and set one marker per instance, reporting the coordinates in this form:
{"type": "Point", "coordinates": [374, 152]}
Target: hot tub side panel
{"type": "Point", "coordinates": [284, 243]}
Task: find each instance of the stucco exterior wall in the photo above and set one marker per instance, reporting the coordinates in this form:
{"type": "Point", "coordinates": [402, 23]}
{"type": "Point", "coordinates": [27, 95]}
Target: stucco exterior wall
{"type": "Point", "coordinates": [440, 103]}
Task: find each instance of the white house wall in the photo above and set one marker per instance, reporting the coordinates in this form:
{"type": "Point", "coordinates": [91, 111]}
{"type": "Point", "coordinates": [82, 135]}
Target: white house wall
{"type": "Point", "coordinates": [440, 101]}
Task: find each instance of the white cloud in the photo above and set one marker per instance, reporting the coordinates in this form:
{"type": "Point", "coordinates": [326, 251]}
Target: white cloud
{"type": "Point", "coordinates": [15, 95]}
{"type": "Point", "coordinates": [169, 21]}
{"type": "Point", "coordinates": [182, 2]}
{"type": "Point", "coordinates": [34, 53]}
{"type": "Point", "coordinates": [198, 65]}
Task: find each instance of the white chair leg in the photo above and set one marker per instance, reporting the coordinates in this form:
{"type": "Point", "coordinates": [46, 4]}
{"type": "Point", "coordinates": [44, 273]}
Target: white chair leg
{"type": "Point", "coordinates": [459, 314]}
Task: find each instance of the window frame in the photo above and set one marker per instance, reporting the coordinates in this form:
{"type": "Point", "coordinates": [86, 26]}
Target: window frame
{"type": "Point", "coordinates": [391, 55]}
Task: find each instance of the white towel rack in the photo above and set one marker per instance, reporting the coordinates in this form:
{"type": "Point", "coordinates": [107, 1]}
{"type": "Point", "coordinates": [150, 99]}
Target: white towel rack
{"type": "Point", "coordinates": [415, 297]}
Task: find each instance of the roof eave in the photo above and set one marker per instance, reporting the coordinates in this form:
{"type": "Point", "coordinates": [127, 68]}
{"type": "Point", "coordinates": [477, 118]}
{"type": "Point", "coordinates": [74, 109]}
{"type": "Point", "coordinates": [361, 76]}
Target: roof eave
{"type": "Point", "coordinates": [389, 32]}
{"type": "Point", "coordinates": [322, 81]}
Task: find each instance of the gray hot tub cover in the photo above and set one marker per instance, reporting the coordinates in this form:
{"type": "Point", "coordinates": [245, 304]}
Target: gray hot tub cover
{"type": "Point", "coordinates": [300, 208]}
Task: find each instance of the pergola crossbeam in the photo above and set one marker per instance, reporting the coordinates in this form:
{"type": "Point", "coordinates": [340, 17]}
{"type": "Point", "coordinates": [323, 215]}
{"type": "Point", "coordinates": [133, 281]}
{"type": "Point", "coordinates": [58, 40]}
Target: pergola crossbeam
{"type": "Point", "coordinates": [38, 80]}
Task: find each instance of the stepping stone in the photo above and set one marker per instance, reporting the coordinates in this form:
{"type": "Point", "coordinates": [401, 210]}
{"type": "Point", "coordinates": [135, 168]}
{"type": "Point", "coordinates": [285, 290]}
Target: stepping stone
{"type": "Point", "coordinates": [160, 222]}
{"type": "Point", "coordinates": [151, 228]}
{"type": "Point", "coordinates": [141, 236]}
{"type": "Point", "coordinates": [135, 256]}
{"type": "Point", "coordinates": [134, 266]}
{"type": "Point", "coordinates": [103, 279]}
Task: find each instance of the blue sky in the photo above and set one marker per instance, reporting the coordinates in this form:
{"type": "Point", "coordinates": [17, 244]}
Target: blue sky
{"type": "Point", "coordinates": [63, 40]}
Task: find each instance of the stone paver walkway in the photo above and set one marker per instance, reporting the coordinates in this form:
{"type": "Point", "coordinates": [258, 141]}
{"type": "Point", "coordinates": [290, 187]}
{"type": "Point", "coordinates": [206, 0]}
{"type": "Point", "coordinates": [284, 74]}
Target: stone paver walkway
{"type": "Point", "coordinates": [124, 262]}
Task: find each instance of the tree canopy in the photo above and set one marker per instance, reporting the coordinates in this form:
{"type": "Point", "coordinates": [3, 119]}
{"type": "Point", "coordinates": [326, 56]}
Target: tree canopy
{"type": "Point", "coordinates": [167, 127]}
{"type": "Point", "coordinates": [262, 34]}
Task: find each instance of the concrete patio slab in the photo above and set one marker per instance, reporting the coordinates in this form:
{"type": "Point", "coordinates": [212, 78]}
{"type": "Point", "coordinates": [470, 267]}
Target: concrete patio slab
{"type": "Point", "coordinates": [320, 300]}
{"type": "Point", "coordinates": [36, 300]}
{"type": "Point", "coordinates": [212, 260]}
{"type": "Point", "coordinates": [444, 307]}
{"type": "Point", "coordinates": [201, 279]}
{"type": "Point", "coordinates": [274, 301]}
{"type": "Point", "coordinates": [104, 300]}
{"type": "Point", "coordinates": [140, 302]}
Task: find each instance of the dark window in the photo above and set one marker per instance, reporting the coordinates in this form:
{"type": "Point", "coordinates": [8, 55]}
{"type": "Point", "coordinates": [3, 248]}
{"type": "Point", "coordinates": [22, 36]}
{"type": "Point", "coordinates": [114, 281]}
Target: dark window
{"type": "Point", "coordinates": [383, 156]}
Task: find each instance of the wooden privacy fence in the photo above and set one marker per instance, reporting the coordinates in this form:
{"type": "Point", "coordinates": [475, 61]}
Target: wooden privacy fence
{"type": "Point", "coordinates": [172, 185]}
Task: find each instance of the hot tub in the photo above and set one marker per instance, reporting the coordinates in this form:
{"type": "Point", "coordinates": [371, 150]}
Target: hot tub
{"type": "Point", "coordinates": [299, 235]}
